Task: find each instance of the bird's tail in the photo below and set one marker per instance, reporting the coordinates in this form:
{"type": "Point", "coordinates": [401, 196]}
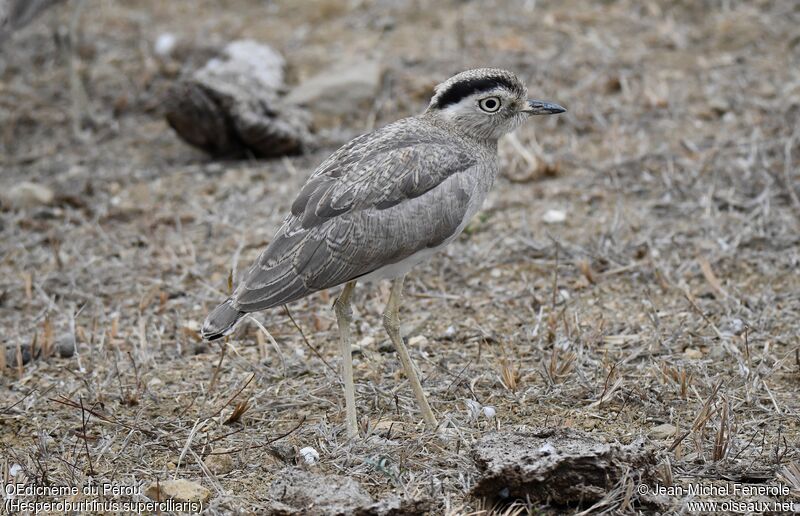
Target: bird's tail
{"type": "Point", "coordinates": [221, 321]}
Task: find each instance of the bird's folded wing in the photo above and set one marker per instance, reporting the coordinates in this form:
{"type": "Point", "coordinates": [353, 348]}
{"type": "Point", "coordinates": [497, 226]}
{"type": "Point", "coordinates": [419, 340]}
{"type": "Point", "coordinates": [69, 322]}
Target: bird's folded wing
{"type": "Point", "coordinates": [372, 203]}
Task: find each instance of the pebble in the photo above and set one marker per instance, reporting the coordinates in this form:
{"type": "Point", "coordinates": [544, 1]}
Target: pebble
{"type": "Point", "coordinates": [155, 383]}
{"type": "Point", "coordinates": [165, 44]}
{"type": "Point", "coordinates": [27, 195]}
{"type": "Point", "coordinates": [664, 431]}
{"type": "Point", "coordinates": [310, 455]}
{"type": "Point", "coordinates": [554, 216]}
{"type": "Point", "coordinates": [366, 343]}
{"type": "Point", "coordinates": [180, 490]}
{"type": "Point", "coordinates": [418, 341]}
{"type": "Point", "coordinates": [219, 463]}
{"type": "Point", "coordinates": [340, 90]}
{"type": "Point", "coordinates": [66, 346]}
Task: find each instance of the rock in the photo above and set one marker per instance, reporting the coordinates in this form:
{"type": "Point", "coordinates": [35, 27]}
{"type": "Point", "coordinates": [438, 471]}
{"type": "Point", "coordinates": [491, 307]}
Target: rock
{"type": "Point", "coordinates": [248, 58]}
{"type": "Point", "coordinates": [330, 494]}
{"type": "Point", "coordinates": [418, 341]}
{"type": "Point", "coordinates": [733, 326]}
{"type": "Point", "coordinates": [386, 346]}
{"type": "Point", "coordinates": [563, 466]}
{"type": "Point", "coordinates": [231, 106]}
{"type": "Point", "coordinates": [309, 454]}
{"type": "Point", "coordinates": [155, 383]}
{"type": "Point", "coordinates": [27, 195]}
{"type": "Point", "coordinates": [180, 490]}
{"type": "Point", "coordinates": [554, 216]}
{"type": "Point", "coordinates": [343, 89]}
{"type": "Point", "coordinates": [664, 431]}
{"type": "Point", "coordinates": [283, 451]}
{"type": "Point", "coordinates": [301, 492]}
{"type": "Point", "coordinates": [66, 346]}
{"type": "Point", "coordinates": [219, 462]}
{"type": "Point", "coordinates": [367, 342]}
{"type": "Point", "coordinates": [165, 44]}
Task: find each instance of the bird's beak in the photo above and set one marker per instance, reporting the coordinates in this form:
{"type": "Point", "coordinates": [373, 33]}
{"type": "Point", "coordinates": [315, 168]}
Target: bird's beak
{"type": "Point", "coordinates": [540, 107]}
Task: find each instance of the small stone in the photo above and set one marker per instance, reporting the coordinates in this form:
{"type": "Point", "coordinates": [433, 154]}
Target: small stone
{"type": "Point", "coordinates": [385, 346]}
{"type": "Point", "coordinates": [547, 449]}
{"type": "Point", "coordinates": [693, 353]}
{"type": "Point", "coordinates": [554, 216]}
{"type": "Point", "coordinates": [66, 346]}
{"type": "Point", "coordinates": [340, 90]}
{"type": "Point", "coordinates": [450, 332]}
{"type": "Point", "coordinates": [309, 454]}
{"type": "Point", "coordinates": [180, 490]}
{"type": "Point", "coordinates": [27, 195]}
{"type": "Point", "coordinates": [734, 326]}
{"type": "Point", "coordinates": [489, 412]}
{"type": "Point", "coordinates": [719, 106]}
{"type": "Point", "coordinates": [664, 431]}
{"type": "Point", "coordinates": [154, 383]}
{"type": "Point", "coordinates": [283, 450]}
{"type": "Point", "coordinates": [165, 44]}
{"type": "Point", "coordinates": [366, 342]}
{"type": "Point", "coordinates": [418, 341]}
{"type": "Point", "coordinates": [219, 462]}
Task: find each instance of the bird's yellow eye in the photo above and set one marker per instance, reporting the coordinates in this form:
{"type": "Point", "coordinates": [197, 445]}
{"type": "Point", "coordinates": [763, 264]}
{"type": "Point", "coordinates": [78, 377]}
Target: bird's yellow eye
{"type": "Point", "coordinates": [489, 104]}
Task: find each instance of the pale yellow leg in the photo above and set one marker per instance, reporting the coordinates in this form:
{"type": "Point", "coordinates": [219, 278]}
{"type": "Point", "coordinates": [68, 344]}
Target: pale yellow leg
{"type": "Point", "coordinates": [391, 321]}
{"type": "Point", "coordinates": [344, 316]}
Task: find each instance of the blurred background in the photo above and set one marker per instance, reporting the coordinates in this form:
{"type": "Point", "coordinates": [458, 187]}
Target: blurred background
{"type": "Point", "coordinates": [636, 251]}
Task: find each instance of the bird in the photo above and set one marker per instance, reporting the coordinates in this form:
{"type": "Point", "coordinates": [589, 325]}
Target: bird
{"type": "Point", "coordinates": [383, 203]}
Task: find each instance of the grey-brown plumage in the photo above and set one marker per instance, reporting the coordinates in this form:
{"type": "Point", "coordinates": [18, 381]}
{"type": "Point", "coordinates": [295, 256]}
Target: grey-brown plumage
{"type": "Point", "coordinates": [379, 200]}
{"type": "Point", "coordinates": [383, 203]}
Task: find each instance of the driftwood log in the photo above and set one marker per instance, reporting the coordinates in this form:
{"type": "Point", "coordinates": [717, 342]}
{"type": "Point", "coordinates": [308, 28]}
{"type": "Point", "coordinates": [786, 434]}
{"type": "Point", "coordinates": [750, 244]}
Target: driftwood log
{"type": "Point", "coordinates": [232, 108]}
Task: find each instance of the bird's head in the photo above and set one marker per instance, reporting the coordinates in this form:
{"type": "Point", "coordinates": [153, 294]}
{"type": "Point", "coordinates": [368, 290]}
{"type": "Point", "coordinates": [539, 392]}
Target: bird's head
{"type": "Point", "coordinates": [486, 102]}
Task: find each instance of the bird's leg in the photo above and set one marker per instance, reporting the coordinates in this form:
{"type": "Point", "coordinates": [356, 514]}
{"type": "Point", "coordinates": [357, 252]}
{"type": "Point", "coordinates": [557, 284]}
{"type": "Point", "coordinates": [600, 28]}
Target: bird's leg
{"type": "Point", "coordinates": [391, 321]}
{"type": "Point", "coordinates": [344, 316]}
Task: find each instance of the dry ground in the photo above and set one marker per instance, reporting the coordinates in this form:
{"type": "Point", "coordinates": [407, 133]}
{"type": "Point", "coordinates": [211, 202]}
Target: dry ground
{"type": "Point", "coordinates": [670, 294]}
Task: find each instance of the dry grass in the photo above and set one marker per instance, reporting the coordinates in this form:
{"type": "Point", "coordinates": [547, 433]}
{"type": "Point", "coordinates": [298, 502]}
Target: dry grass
{"type": "Point", "coordinates": [669, 295]}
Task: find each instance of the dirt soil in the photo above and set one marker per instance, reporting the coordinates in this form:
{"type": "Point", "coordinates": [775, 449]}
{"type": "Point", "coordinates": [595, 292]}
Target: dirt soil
{"type": "Point", "coordinates": [664, 304]}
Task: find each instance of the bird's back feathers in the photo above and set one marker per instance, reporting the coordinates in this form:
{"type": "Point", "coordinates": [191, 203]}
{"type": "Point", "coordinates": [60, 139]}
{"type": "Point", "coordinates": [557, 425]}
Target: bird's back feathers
{"type": "Point", "coordinates": [377, 200]}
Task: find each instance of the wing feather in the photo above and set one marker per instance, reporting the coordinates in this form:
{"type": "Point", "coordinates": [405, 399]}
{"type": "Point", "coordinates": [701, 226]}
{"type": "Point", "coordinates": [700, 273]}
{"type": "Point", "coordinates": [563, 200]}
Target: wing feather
{"type": "Point", "coordinates": [377, 200]}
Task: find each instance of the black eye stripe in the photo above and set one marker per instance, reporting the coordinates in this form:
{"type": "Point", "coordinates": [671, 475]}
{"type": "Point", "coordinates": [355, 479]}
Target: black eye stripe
{"type": "Point", "coordinates": [458, 91]}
